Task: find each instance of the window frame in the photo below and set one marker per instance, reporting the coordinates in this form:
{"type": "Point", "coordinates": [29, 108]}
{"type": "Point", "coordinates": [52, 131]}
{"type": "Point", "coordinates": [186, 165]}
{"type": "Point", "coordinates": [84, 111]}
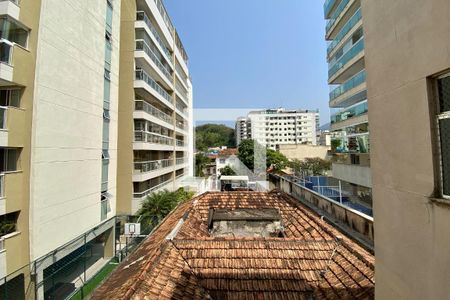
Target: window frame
{"type": "Point", "coordinates": [437, 116]}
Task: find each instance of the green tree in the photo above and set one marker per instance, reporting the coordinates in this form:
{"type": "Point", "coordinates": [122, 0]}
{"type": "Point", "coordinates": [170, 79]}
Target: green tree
{"type": "Point", "coordinates": [213, 135]}
{"type": "Point", "coordinates": [159, 204]}
{"type": "Point", "coordinates": [227, 171]}
{"type": "Point", "coordinates": [274, 159]}
{"type": "Point", "coordinates": [201, 160]}
{"type": "Point", "coordinates": [315, 166]}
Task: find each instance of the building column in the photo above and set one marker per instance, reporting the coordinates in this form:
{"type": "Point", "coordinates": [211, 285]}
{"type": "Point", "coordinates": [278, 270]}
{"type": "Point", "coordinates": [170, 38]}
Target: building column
{"type": "Point", "coordinates": [108, 250]}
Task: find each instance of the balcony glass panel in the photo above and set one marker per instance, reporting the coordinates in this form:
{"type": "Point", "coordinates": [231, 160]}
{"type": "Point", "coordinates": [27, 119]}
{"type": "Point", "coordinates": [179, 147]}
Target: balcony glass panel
{"type": "Point", "coordinates": [357, 110]}
{"type": "Point", "coordinates": [109, 16]}
{"type": "Point", "coordinates": [147, 137]}
{"type": "Point", "coordinates": [336, 14]}
{"type": "Point", "coordinates": [142, 75]}
{"type": "Point", "coordinates": [142, 16]}
{"type": "Point", "coordinates": [141, 45]}
{"type": "Point", "coordinates": [144, 106]}
{"type": "Point", "coordinates": [346, 29]}
{"type": "Point", "coordinates": [350, 54]}
{"type": "Point", "coordinates": [13, 32]}
{"type": "Point", "coordinates": [149, 166]}
{"type": "Point", "coordinates": [328, 5]}
{"type": "Point", "coordinates": [348, 85]}
{"type": "Point", "coordinates": [6, 49]}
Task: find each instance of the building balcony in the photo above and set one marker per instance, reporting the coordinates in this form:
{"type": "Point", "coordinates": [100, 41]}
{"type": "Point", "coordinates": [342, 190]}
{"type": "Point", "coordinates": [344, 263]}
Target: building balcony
{"type": "Point", "coordinates": [152, 58]}
{"type": "Point", "coordinates": [149, 141]}
{"type": "Point", "coordinates": [353, 115]}
{"type": "Point", "coordinates": [181, 92]}
{"type": "Point", "coordinates": [138, 197]}
{"type": "Point", "coordinates": [147, 170]}
{"type": "Point", "coordinates": [146, 111]}
{"type": "Point", "coordinates": [340, 15]}
{"type": "Point", "coordinates": [142, 16]}
{"type": "Point", "coordinates": [349, 64]}
{"type": "Point", "coordinates": [359, 174]}
{"type": "Point", "coordinates": [347, 30]}
{"type": "Point", "coordinates": [348, 86]}
{"type": "Point", "coordinates": [328, 7]}
{"type": "Point", "coordinates": [350, 97]}
{"type": "Point", "coordinates": [10, 8]}
{"type": "Point", "coordinates": [145, 81]}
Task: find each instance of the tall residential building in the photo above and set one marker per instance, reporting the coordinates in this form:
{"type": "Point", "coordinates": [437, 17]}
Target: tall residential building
{"type": "Point", "coordinates": [155, 111]}
{"type": "Point", "coordinates": [63, 177]}
{"type": "Point", "coordinates": [274, 127]}
{"type": "Point", "coordinates": [242, 129]}
{"type": "Point", "coordinates": [408, 83]}
{"type": "Point", "coordinates": [348, 96]}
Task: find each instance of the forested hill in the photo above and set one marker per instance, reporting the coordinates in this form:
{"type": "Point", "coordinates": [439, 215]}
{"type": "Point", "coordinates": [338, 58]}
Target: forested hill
{"type": "Point", "coordinates": [214, 135]}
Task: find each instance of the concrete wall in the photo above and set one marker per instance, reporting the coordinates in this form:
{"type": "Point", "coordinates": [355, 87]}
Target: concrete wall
{"type": "Point", "coordinates": [406, 42]}
{"type": "Point", "coordinates": [360, 175]}
{"type": "Point", "coordinates": [126, 108]}
{"type": "Point", "coordinates": [358, 225]}
{"type": "Point", "coordinates": [303, 151]}
{"type": "Point", "coordinates": [67, 124]}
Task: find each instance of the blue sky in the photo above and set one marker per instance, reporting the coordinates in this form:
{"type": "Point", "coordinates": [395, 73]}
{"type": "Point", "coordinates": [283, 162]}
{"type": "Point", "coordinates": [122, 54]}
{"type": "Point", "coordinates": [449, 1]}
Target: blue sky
{"type": "Point", "coordinates": [255, 53]}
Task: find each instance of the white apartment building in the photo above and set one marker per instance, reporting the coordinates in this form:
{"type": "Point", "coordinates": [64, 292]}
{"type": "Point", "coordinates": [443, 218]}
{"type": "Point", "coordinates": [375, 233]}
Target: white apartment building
{"type": "Point", "coordinates": [273, 127]}
{"type": "Point", "coordinates": [242, 129]}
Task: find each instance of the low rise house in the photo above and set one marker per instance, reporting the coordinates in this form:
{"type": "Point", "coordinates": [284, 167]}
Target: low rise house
{"type": "Point", "coordinates": [243, 245]}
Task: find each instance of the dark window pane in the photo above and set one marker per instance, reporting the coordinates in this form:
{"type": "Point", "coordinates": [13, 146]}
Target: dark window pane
{"type": "Point", "coordinates": [444, 94]}
{"type": "Point", "coordinates": [444, 127]}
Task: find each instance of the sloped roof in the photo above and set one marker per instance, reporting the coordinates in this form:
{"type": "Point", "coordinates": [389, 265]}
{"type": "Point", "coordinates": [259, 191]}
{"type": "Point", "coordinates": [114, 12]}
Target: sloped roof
{"type": "Point", "coordinates": [312, 261]}
{"type": "Point", "coordinates": [228, 152]}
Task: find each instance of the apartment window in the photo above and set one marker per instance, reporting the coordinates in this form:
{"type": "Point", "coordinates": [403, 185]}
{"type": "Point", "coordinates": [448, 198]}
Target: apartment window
{"type": "Point", "coordinates": [443, 120]}
{"type": "Point", "coordinates": [8, 159]}
{"type": "Point", "coordinates": [8, 223]}
{"type": "Point", "coordinates": [10, 98]}
{"type": "Point", "coordinates": [13, 32]}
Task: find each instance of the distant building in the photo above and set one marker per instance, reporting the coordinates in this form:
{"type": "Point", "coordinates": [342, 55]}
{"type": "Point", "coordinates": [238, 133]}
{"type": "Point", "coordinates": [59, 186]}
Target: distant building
{"type": "Point", "coordinates": [280, 126]}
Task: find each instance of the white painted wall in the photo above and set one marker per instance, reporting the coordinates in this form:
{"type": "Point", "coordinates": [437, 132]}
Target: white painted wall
{"type": "Point", "coordinates": [67, 122]}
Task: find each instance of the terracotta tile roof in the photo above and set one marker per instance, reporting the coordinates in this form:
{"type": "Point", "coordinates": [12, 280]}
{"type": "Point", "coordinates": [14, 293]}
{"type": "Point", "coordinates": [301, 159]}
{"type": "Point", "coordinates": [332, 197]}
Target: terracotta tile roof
{"type": "Point", "coordinates": [312, 261]}
{"type": "Point", "coordinates": [228, 152]}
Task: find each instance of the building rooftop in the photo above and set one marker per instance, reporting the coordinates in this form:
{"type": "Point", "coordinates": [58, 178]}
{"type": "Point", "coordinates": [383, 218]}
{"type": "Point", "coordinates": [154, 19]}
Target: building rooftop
{"type": "Point", "coordinates": [182, 259]}
{"type": "Point", "coordinates": [228, 152]}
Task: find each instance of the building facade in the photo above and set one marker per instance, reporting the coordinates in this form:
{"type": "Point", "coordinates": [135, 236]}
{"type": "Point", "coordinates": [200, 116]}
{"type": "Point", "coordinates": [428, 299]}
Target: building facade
{"type": "Point", "coordinates": [157, 96]}
{"type": "Point", "coordinates": [242, 129]}
{"type": "Point", "coordinates": [274, 127]}
{"type": "Point", "coordinates": [408, 84]}
{"type": "Point", "coordinates": [64, 179]}
{"type": "Point", "coordinates": [348, 97]}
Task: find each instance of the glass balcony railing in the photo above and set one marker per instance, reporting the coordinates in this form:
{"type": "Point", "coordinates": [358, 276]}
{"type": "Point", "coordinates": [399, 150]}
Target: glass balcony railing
{"type": "Point", "coordinates": [181, 90]}
{"type": "Point", "coordinates": [180, 73]}
{"type": "Point", "coordinates": [141, 45]}
{"type": "Point", "coordinates": [180, 143]}
{"type": "Point", "coordinates": [149, 166]}
{"type": "Point", "coordinates": [354, 50]}
{"type": "Point", "coordinates": [348, 85]}
{"type": "Point", "coordinates": [148, 108]}
{"type": "Point", "coordinates": [165, 15]}
{"type": "Point", "coordinates": [357, 110]}
{"type": "Point", "coordinates": [142, 75]}
{"type": "Point", "coordinates": [328, 5]}
{"type": "Point", "coordinates": [346, 29]}
{"type": "Point", "coordinates": [142, 16]}
{"type": "Point", "coordinates": [336, 14]}
{"type": "Point", "coordinates": [152, 189]}
{"type": "Point", "coordinates": [147, 137]}
{"type": "Point", "coordinates": [180, 160]}
{"type": "Point", "coordinates": [181, 125]}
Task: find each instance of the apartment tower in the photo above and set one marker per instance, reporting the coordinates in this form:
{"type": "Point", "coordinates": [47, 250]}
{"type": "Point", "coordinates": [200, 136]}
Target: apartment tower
{"type": "Point", "coordinates": [63, 177]}
{"type": "Point", "coordinates": [408, 83]}
{"type": "Point", "coordinates": [155, 109]}
{"type": "Point", "coordinates": [348, 96]}
{"type": "Point", "coordinates": [274, 127]}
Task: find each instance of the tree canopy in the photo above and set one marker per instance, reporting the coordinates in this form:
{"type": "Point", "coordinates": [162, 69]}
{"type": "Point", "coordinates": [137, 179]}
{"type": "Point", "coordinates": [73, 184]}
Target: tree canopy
{"type": "Point", "coordinates": [227, 171]}
{"type": "Point", "coordinates": [201, 160]}
{"type": "Point", "coordinates": [214, 135]}
{"type": "Point", "coordinates": [274, 159]}
{"type": "Point", "coordinates": [311, 166]}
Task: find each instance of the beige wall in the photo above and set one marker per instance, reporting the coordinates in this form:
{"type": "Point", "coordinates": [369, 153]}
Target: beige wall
{"type": "Point", "coordinates": [303, 151]}
{"type": "Point", "coordinates": [19, 129]}
{"type": "Point", "coordinates": [406, 41]}
{"type": "Point", "coordinates": [126, 108]}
